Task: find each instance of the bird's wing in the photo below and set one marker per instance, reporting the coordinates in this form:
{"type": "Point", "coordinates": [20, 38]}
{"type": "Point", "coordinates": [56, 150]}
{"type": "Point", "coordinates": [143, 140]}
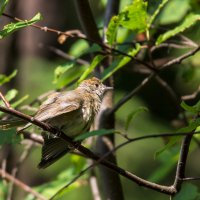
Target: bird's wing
{"type": "Point", "coordinates": [58, 104]}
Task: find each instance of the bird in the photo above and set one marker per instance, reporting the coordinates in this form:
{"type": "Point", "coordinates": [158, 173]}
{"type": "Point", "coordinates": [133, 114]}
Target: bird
{"type": "Point", "coordinates": [72, 112]}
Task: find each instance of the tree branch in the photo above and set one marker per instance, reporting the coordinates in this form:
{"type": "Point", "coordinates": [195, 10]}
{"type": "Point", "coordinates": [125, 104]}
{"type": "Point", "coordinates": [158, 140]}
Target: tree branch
{"type": "Point", "coordinates": [90, 154]}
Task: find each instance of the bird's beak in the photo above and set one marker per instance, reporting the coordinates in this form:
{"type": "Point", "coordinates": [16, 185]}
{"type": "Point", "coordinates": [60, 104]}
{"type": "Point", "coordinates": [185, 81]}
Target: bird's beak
{"type": "Point", "coordinates": [106, 88]}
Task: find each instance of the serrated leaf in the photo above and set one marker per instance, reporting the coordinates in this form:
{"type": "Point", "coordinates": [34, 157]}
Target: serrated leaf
{"type": "Point", "coordinates": [5, 79]}
{"type": "Point", "coordinates": [189, 21]}
{"type": "Point", "coordinates": [134, 16]}
{"type": "Point", "coordinates": [3, 4]}
{"type": "Point", "coordinates": [12, 27]}
{"type": "Point", "coordinates": [60, 70]}
{"type": "Point", "coordinates": [193, 109]}
{"type": "Point", "coordinates": [166, 16]}
{"type": "Point", "coordinates": [94, 133]}
{"type": "Point", "coordinates": [155, 14]}
{"type": "Point", "coordinates": [9, 137]}
{"type": "Point", "coordinates": [120, 62]}
{"type": "Point", "coordinates": [134, 114]}
{"type": "Point", "coordinates": [187, 192]}
{"type": "Point", "coordinates": [97, 59]}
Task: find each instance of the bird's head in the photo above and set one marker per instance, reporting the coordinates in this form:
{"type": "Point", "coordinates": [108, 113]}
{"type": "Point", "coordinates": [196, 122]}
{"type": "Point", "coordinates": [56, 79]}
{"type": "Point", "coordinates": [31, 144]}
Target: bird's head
{"type": "Point", "coordinates": [94, 85]}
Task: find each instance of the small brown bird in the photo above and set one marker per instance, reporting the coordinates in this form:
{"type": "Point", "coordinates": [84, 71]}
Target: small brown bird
{"type": "Point", "coordinates": [72, 112]}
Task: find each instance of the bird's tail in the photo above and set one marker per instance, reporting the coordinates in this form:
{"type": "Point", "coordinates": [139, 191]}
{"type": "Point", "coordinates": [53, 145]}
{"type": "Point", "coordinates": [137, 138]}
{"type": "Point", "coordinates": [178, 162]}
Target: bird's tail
{"type": "Point", "coordinates": [52, 150]}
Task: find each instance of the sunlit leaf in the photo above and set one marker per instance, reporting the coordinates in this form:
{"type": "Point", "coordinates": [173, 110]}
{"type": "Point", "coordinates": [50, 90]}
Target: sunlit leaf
{"type": "Point", "coordinates": [11, 94]}
{"type": "Point", "coordinates": [9, 137]}
{"type": "Point", "coordinates": [97, 59]}
{"type": "Point", "coordinates": [3, 4]}
{"type": "Point", "coordinates": [79, 48]}
{"type": "Point", "coordinates": [120, 62]}
{"type": "Point", "coordinates": [188, 192]}
{"type": "Point", "coordinates": [134, 114]}
{"type": "Point", "coordinates": [134, 16]}
{"type": "Point", "coordinates": [5, 79]}
{"type": "Point", "coordinates": [112, 29]}
{"type": "Point", "coordinates": [95, 133]}
{"type": "Point", "coordinates": [72, 74]}
{"type": "Point", "coordinates": [12, 27]}
{"type": "Point", "coordinates": [60, 70]}
{"type": "Point", "coordinates": [190, 20]}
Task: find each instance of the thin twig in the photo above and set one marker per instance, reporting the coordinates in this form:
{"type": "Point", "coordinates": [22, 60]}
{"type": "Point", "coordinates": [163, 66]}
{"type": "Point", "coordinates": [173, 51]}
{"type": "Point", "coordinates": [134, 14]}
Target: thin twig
{"type": "Point", "coordinates": [65, 55]}
{"type": "Point", "coordinates": [191, 179]}
{"type": "Point", "coordinates": [191, 96]}
{"type": "Point", "coordinates": [180, 171]}
{"type": "Point", "coordinates": [117, 148]}
{"type": "Point", "coordinates": [104, 46]}
{"type": "Point", "coordinates": [169, 45]}
{"type": "Point", "coordinates": [20, 184]}
{"type": "Point", "coordinates": [4, 100]}
{"type": "Point", "coordinates": [180, 58]}
{"type": "Point", "coordinates": [126, 98]}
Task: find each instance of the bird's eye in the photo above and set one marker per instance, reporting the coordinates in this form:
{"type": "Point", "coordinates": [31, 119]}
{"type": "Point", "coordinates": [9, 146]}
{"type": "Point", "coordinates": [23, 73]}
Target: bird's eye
{"type": "Point", "coordinates": [97, 85]}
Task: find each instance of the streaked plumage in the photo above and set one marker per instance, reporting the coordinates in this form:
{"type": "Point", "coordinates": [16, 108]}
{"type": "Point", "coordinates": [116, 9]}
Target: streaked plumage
{"type": "Point", "coordinates": [72, 112]}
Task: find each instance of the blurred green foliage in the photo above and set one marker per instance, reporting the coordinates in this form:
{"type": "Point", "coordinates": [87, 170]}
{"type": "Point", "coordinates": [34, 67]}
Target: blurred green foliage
{"type": "Point", "coordinates": [154, 159]}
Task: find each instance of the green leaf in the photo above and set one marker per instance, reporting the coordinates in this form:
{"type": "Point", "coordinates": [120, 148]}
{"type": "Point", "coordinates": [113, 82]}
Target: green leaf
{"type": "Point", "coordinates": [157, 11]}
{"type": "Point", "coordinates": [172, 141]}
{"type": "Point", "coordinates": [112, 29]}
{"type": "Point", "coordinates": [60, 70]}
{"type": "Point", "coordinates": [95, 133]}
{"type": "Point", "coordinates": [70, 75]}
{"type": "Point", "coordinates": [20, 101]}
{"type": "Point", "coordinates": [187, 192]}
{"type": "Point", "coordinates": [51, 188]}
{"type": "Point", "coordinates": [11, 94]}
{"type": "Point", "coordinates": [190, 20]}
{"type": "Point", "coordinates": [120, 62]}
{"type": "Point", "coordinates": [12, 27]}
{"type": "Point", "coordinates": [3, 4]}
{"type": "Point", "coordinates": [134, 16]}
{"type": "Point", "coordinates": [9, 137]}
{"type": "Point", "coordinates": [5, 79]}
{"type": "Point", "coordinates": [134, 114]}
{"type": "Point", "coordinates": [193, 124]}
{"type": "Point", "coordinates": [166, 16]}
{"type": "Point", "coordinates": [193, 109]}
{"type": "Point", "coordinates": [78, 48]}
{"type": "Point", "coordinates": [97, 59]}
